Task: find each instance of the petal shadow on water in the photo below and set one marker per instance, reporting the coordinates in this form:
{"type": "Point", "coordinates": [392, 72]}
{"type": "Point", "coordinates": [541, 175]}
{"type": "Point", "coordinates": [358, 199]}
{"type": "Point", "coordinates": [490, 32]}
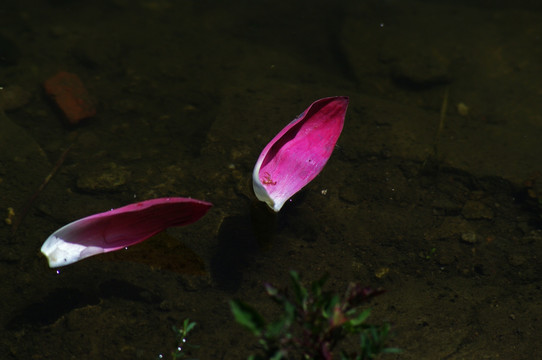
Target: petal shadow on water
{"type": "Point", "coordinates": [236, 246]}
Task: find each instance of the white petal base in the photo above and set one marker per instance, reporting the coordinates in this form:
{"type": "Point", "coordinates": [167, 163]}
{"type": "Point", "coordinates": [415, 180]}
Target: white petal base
{"type": "Point", "coordinates": [61, 253]}
{"type": "Point", "coordinates": [261, 193]}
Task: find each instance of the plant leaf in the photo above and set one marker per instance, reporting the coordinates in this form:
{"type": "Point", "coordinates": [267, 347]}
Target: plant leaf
{"type": "Point", "coordinates": [188, 326]}
{"type": "Point", "coordinates": [360, 319]}
{"type": "Point", "coordinates": [247, 316]}
{"type": "Point", "coordinates": [301, 293]}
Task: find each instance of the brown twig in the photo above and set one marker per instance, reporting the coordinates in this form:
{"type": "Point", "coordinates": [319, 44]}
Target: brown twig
{"type": "Point", "coordinates": [28, 204]}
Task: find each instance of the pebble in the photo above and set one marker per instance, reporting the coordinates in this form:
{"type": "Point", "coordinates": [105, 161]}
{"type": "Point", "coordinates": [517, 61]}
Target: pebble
{"type": "Point", "coordinates": [422, 71]}
{"type": "Point", "coordinates": [13, 97]}
{"type": "Point", "coordinates": [445, 258]}
{"type": "Point", "coordinates": [516, 259]}
{"type": "Point", "coordinates": [468, 237]}
{"type": "Point", "coordinates": [533, 237]}
{"type": "Point", "coordinates": [446, 205]}
{"type": "Point", "coordinates": [110, 177]}
{"type": "Point", "coordinates": [452, 227]}
{"type": "Point", "coordinates": [475, 210]}
{"type": "Point", "coordinates": [462, 109]}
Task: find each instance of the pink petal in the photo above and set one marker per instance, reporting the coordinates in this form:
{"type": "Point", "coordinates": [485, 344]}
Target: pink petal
{"type": "Point", "coordinates": [116, 229]}
{"type": "Point", "coordinates": [299, 151]}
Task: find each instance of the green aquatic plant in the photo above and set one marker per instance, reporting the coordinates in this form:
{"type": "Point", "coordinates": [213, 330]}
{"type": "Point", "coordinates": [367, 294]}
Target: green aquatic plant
{"type": "Point", "coordinates": [315, 324]}
{"type": "Point", "coordinates": [182, 349]}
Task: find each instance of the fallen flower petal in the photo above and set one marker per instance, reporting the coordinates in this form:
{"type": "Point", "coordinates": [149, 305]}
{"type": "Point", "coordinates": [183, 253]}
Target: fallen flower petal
{"type": "Point", "coordinates": [298, 153]}
{"type": "Point", "coordinates": [118, 228]}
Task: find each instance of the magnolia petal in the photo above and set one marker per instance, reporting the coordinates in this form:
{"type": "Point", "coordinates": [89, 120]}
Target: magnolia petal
{"type": "Point", "coordinates": [298, 153]}
{"type": "Point", "coordinates": [116, 229]}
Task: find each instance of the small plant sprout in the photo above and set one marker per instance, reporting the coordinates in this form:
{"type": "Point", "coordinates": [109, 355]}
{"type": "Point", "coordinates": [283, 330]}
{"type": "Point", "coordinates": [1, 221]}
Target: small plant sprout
{"type": "Point", "coordinates": [183, 347]}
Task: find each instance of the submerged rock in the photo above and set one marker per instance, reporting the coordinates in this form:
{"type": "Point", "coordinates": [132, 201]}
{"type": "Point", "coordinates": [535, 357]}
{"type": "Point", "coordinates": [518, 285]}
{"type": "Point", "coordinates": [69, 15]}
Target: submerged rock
{"type": "Point", "coordinates": [107, 177]}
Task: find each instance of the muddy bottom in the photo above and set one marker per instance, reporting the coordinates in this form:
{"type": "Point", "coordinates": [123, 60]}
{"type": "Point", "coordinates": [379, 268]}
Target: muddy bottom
{"type": "Point", "coordinates": [432, 193]}
{"type": "Point", "coordinates": [455, 253]}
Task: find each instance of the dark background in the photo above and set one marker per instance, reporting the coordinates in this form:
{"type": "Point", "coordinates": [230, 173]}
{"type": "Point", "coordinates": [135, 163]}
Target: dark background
{"type": "Point", "coordinates": [189, 92]}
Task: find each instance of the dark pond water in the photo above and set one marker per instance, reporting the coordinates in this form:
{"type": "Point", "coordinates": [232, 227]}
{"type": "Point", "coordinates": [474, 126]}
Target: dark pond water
{"type": "Point", "coordinates": [432, 193]}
